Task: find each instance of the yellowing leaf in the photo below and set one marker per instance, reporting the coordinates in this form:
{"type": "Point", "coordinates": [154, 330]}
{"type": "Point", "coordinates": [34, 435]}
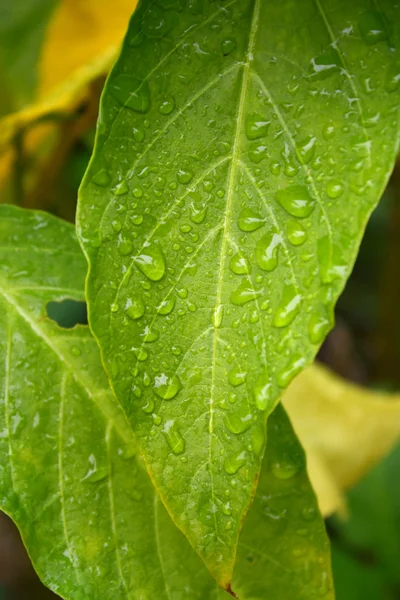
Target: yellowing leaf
{"type": "Point", "coordinates": [81, 42]}
{"type": "Point", "coordinates": [344, 429]}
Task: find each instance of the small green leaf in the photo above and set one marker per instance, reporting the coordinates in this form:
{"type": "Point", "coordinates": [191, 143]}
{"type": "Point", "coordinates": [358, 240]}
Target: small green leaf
{"type": "Point", "coordinates": [72, 481]}
{"type": "Point", "coordinates": [252, 140]}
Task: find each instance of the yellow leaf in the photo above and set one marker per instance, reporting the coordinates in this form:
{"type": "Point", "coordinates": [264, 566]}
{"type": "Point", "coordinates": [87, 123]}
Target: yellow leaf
{"type": "Point", "coordinates": [344, 428]}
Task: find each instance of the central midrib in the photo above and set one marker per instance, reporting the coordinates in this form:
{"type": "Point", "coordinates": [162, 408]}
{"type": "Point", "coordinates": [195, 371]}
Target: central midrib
{"type": "Point", "coordinates": [230, 190]}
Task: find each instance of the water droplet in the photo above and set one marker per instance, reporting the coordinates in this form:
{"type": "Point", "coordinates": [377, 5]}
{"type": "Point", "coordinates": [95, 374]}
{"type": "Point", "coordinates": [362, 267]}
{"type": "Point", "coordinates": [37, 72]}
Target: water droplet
{"type": "Point", "coordinates": [256, 126]}
{"type": "Point", "coordinates": [102, 178]}
{"type": "Point", "coordinates": [296, 200]}
{"type": "Point", "coordinates": [182, 292]}
{"type": "Point", "coordinates": [151, 262]}
{"type": "Point", "coordinates": [95, 473]}
{"type": "Point", "coordinates": [116, 225]}
{"type": "Point", "coordinates": [125, 246]}
{"type": "Point", "coordinates": [137, 219]}
{"type": "Point", "coordinates": [131, 93]}
{"type": "Point", "coordinates": [166, 306]}
{"type": "Point", "coordinates": [318, 327]}
{"type": "Point", "coordinates": [296, 233]}
{"type": "Point", "coordinates": [288, 307]}
{"type": "Point", "coordinates": [239, 265]}
{"type": "Point", "coordinates": [148, 407]}
{"type": "Point", "coordinates": [173, 437]}
{"type": "Point", "coordinates": [294, 366]}
{"type": "Point", "coordinates": [157, 420]}
{"type": "Point", "coordinates": [263, 393]}
{"type": "Point", "coordinates": [325, 64]}
{"type": "Point", "coordinates": [237, 376]}
{"type": "Point", "coordinates": [233, 462]}
{"type": "Point", "coordinates": [228, 46]}
{"type": "Point", "coordinates": [138, 134]}
{"type": "Point", "coordinates": [239, 421]}
{"type": "Point", "coordinates": [306, 149]}
{"type": "Point", "coordinates": [372, 27]}
{"type": "Point", "coordinates": [76, 351]}
{"type": "Point", "coordinates": [184, 176]}
{"type": "Point", "coordinates": [134, 308]}
{"type": "Point", "coordinates": [114, 307]}
{"type": "Point", "coordinates": [217, 315]}
{"type": "Point", "coordinates": [284, 469]}
{"type": "Point", "coordinates": [392, 82]}
{"type": "Point", "coordinates": [267, 249]}
{"type": "Point", "coordinates": [245, 293]}
{"type": "Point", "coordinates": [334, 189]}
{"type": "Point", "coordinates": [141, 354]}
{"type": "Point", "coordinates": [149, 335]}
{"type": "Point", "coordinates": [121, 188]}
{"type": "Point", "coordinates": [167, 106]}
{"type": "Point", "coordinates": [167, 387]}
{"type": "Point", "coordinates": [257, 439]}
{"type": "Point", "coordinates": [249, 220]}
{"type": "Point", "coordinates": [197, 214]}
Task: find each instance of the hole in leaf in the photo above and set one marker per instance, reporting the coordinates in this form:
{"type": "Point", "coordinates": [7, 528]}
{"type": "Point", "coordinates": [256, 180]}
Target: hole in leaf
{"type": "Point", "coordinates": [67, 313]}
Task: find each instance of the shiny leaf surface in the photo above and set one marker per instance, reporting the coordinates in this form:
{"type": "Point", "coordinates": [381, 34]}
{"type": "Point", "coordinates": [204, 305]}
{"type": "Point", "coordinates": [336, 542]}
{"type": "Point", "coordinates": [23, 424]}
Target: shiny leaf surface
{"type": "Point", "coordinates": [241, 147]}
{"type": "Point", "coordinates": [70, 476]}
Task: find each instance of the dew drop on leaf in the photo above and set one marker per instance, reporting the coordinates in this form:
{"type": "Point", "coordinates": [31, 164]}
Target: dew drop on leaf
{"type": "Point", "coordinates": [296, 233]}
{"type": "Point", "coordinates": [167, 106]}
{"type": "Point", "coordinates": [249, 220]}
{"type": "Point", "coordinates": [263, 393]}
{"type": "Point", "coordinates": [173, 437]}
{"type": "Point", "coordinates": [233, 462]}
{"type": "Point", "coordinates": [184, 176]}
{"type": "Point", "coordinates": [245, 293]}
{"type": "Point", "coordinates": [256, 126]}
{"type": "Point", "coordinates": [237, 376]}
{"type": "Point", "coordinates": [166, 387]}
{"type": "Point", "coordinates": [166, 306]}
{"type": "Point", "coordinates": [134, 308]}
{"type": "Point", "coordinates": [334, 189]}
{"type": "Point", "coordinates": [296, 200]}
{"type": "Point", "coordinates": [267, 249]}
{"type": "Point", "coordinates": [217, 315]}
{"type": "Point", "coordinates": [151, 262]}
{"type": "Point", "coordinates": [293, 367]}
{"type": "Point", "coordinates": [239, 264]}
{"type": "Point", "coordinates": [373, 28]}
{"type": "Point", "coordinates": [288, 307]}
{"type": "Point", "coordinates": [239, 421]}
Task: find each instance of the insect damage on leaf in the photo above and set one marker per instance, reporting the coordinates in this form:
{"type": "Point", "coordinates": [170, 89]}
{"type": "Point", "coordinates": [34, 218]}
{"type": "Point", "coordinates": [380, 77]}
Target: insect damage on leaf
{"type": "Point", "coordinates": [241, 147]}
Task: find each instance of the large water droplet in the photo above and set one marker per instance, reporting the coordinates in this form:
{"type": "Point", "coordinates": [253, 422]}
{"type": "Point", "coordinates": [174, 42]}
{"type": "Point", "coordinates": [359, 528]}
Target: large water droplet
{"type": "Point", "coordinates": [237, 376]}
{"type": "Point", "coordinates": [245, 293]}
{"type": "Point", "coordinates": [197, 213]}
{"type": "Point", "coordinates": [239, 421]}
{"type": "Point", "coordinates": [288, 307]}
{"type": "Point", "coordinates": [173, 437]}
{"type": "Point", "coordinates": [372, 27]}
{"type": "Point", "coordinates": [318, 327]}
{"type": "Point", "coordinates": [217, 315]}
{"type": "Point", "coordinates": [239, 264]}
{"type": "Point", "coordinates": [134, 308]}
{"type": "Point", "coordinates": [167, 387]}
{"type": "Point", "coordinates": [184, 176]}
{"type": "Point", "coordinates": [151, 262]}
{"type": "Point", "coordinates": [102, 178]}
{"type": "Point", "coordinates": [296, 233]}
{"type": "Point", "coordinates": [149, 335]}
{"type": "Point", "coordinates": [137, 100]}
{"type": "Point", "coordinates": [294, 366]}
{"type": "Point", "coordinates": [263, 393]}
{"type": "Point", "coordinates": [95, 473]}
{"type": "Point", "coordinates": [267, 249]}
{"type": "Point", "coordinates": [228, 46]}
{"type": "Point", "coordinates": [296, 200]}
{"type": "Point", "coordinates": [284, 469]}
{"type": "Point", "coordinates": [256, 126]}
{"type": "Point", "coordinates": [167, 106]}
{"type": "Point", "coordinates": [325, 64]}
{"type": "Point", "coordinates": [306, 149]}
{"type": "Point", "coordinates": [257, 439]}
{"type": "Point", "coordinates": [334, 189]}
{"type": "Point", "coordinates": [233, 462]}
{"type": "Point", "coordinates": [166, 306]}
{"type": "Point", "coordinates": [249, 220]}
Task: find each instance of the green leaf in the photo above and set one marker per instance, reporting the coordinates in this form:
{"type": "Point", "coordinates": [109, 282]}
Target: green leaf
{"type": "Point", "coordinates": [87, 511]}
{"type": "Point", "coordinates": [241, 147]}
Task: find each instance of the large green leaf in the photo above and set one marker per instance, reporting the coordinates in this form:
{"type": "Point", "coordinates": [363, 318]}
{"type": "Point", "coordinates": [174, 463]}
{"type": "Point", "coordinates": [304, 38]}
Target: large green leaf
{"type": "Point", "coordinates": [241, 147]}
{"type": "Point", "coordinates": [88, 514]}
